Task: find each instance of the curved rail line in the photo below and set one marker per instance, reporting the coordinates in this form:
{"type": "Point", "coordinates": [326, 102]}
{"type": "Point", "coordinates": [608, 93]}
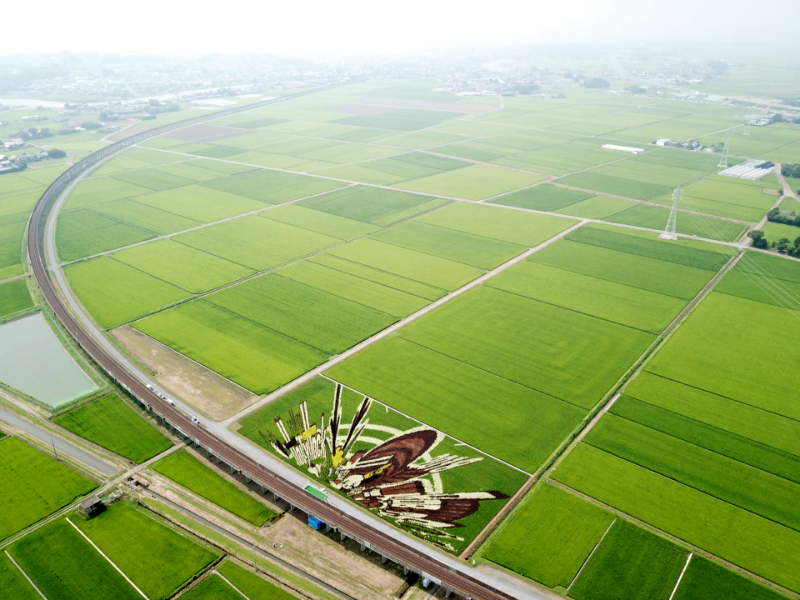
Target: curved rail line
{"type": "Point", "coordinates": [393, 549]}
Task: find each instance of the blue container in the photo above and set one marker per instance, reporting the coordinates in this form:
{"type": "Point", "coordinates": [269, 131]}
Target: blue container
{"type": "Point", "coordinates": [315, 522]}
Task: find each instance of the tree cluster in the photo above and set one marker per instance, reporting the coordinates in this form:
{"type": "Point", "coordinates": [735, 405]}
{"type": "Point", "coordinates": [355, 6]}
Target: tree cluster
{"type": "Point", "coordinates": [32, 133]}
{"type": "Point", "coordinates": [596, 82]}
{"type": "Point", "coordinates": [787, 218]}
{"type": "Point", "coordinates": [783, 245]}
{"type": "Point", "coordinates": [759, 239]}
{"type": "Point", "coordinates": [790, 170]}
{"type": "Point", "coordinates": [155, 107]}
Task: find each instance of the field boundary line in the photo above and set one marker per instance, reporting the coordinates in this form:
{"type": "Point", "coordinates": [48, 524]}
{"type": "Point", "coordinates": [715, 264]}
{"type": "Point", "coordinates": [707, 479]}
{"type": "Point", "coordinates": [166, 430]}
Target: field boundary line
{"type": "Point", "coordinates": [675, 539]}
{"type": "Point", "coordinates": [483, 163]}
{"type": "Point", "coordinates": [638, 367]}
{"type": "Point", "coordinates": [680, 577]}
{"type": "Point", "coordinates": [486, 200]}
{"type": "Point", "coordinates": [226, 580]}
{"type": "Point", "coordinates": [111, 562]}
{"type": "Point", "coordinates": [588, 558]}
{"type": "Point", "coordinates": [15, 277]}
{"type": "Point", "coordinates": [728, 399]}
{"type": "Point", "coordinates": [198, 518]}
{"type": "Point", "coordinates": [21, 570]}
{"type": "Point", "coordinates": [167, 236]}
{"type": "Point", "coordinates": [308, 376]}
{"type": "Point", "coordinates": [97, 491]}
{"type": "Point", "coordinates": [501, 515]}
{"type": "Point", "coordinates": [653, 204]}
{"type": "Point", "coordinates": [460, 441]}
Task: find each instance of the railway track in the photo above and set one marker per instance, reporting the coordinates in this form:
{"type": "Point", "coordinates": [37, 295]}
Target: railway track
{"type": "Point", "coordinates": [452, 578]}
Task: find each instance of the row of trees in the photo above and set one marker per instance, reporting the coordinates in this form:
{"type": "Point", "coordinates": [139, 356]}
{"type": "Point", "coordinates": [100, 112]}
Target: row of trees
{"type": "Point", "coordinates": [783, 245]}
{"type": "Point", "coordinates": [776, 215]}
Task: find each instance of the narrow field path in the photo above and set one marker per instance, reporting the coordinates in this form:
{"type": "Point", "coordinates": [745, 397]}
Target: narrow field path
{"type": "Point", "coordinates": [21, 570]}
{"type": "Point", "coordinates": [649, 354]}
{"type": "Point", "coordinates": [111, 562]}
{"type": "Point", "coordinates": [392, 328]}
{"type": "Point", "coordinates": [61, 445]}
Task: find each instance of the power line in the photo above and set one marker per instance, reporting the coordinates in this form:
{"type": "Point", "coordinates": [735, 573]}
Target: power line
{"type": "Point", "coordinates": [669, 232]}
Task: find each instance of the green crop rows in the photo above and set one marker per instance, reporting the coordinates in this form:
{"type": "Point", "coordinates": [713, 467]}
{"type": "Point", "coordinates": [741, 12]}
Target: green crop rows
{"type": "Point", "coordinates": [286, 246]}
{"type": "Point", "coordinates": [567, 530]}
{"type": "Point", "coordinates": [111, 423]}
{"type": "Point", "coordinates": [189, 472]}
{"type": "Point", "coordinates": [146, 549]}
{"type": "Point", "coordinates": [33, 485]}
{"type": "Point", "coordinates": [630, 563]}
{"type": "Point", "coordinates": [64, 565]}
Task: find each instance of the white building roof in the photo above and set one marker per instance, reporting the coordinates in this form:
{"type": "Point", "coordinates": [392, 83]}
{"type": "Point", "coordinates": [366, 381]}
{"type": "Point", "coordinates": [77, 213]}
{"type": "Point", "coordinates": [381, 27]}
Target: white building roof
{"type": "Point", "coordinates": [623, 148]}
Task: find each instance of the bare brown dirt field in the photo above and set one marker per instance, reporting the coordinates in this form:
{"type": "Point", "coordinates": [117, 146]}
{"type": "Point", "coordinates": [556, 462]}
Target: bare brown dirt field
{"type": "Point", "coordinates": [197, 133]}
{"type": "Point", "coordinates": [205, 390]}
{"type": "Point", "coordinates": [327, 559]}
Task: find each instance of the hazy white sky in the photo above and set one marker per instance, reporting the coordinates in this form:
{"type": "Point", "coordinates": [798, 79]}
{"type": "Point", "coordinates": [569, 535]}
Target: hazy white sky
{"type": "Point", "coordinates": [365, 26]}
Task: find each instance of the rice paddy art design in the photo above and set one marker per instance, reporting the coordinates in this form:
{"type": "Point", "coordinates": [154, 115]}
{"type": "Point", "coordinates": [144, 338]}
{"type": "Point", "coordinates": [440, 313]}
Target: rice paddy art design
{"type": "Point", "coordinates": [398, 477]}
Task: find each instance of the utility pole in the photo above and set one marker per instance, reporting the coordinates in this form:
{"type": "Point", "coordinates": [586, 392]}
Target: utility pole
{"type": "Point", "coordinates": [53, 441]}
{"type": "Point", "coordinates": [723, 160]}
{"type": "Point", "coordinates": [669, 232]}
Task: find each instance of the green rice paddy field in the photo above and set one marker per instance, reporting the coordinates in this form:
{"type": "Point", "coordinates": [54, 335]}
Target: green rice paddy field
{"type": "Point", "coordinates": [13, 582]}
{"type": "Point", "coordinates": [33, 485]}
{"type": "Point", "coordinates": [585, 551]}
{"type": "Point", "coordinates": [212, 587]}
{"type": "Point", "coordinates": [111, 423]}
{"type": "Point", "coordinates": [145, 549]}
{"type": "Point", "coordinates": [252, 585]}
{"type": "Point", "coordinates": [716, 438]}
{"type": "Point", "coordinates": [14, 297]}
{"type": "Point", "coordinates": [264, 254]}
{"type": "Point", "coordinates": [63, 565]}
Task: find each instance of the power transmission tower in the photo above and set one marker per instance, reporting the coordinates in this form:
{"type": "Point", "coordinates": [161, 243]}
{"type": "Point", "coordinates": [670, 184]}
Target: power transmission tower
{"type": "Point", "coordinates": [723, 160]}
{"type": "Point", "coordinates": [669, 232]}
{"type": "Point", "coordinates": [746, 128]}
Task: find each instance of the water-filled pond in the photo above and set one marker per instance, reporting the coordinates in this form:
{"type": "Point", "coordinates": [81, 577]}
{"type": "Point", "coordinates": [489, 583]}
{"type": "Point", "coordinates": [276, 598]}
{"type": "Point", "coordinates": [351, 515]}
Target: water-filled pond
{"type": "Point", "coordinates": [33, 361]}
